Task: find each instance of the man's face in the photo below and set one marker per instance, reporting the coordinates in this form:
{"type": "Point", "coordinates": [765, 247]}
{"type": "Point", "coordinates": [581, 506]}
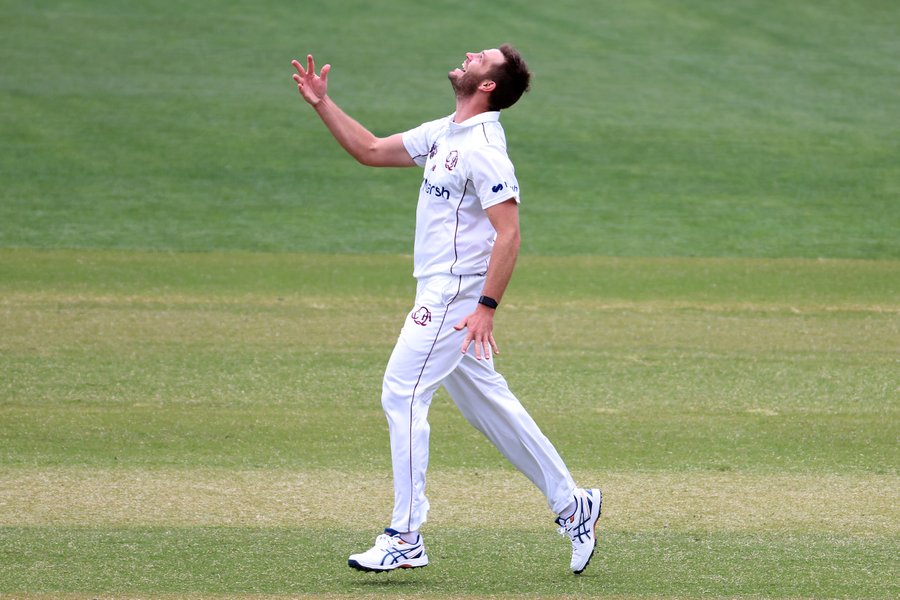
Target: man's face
{"type": "Point", "coordinates": [475, 69]}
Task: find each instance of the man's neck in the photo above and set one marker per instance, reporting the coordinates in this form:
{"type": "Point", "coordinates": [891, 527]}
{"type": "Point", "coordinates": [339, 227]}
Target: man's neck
{"type": "Point", "coordinates": [468, 107]}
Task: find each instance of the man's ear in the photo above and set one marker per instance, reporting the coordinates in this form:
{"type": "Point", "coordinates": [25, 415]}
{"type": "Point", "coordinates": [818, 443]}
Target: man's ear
{"type": "Point", "coordinates": [487, 86]}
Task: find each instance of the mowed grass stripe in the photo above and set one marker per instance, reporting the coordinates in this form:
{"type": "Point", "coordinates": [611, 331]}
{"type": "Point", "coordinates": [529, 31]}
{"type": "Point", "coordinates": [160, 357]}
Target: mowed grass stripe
{"type": "Point", "coordinates": [54, 321]}
{"type": "Point", "coordinates": [227, 277]}
{"type": "Point", "coordinates": [87, 300]}
{"type": "Point", "coordinates": [842, 504]}
{"type": "Point", "coordinates": [303, 596]}
{"type": "Point", "coordinates": [465, 562]}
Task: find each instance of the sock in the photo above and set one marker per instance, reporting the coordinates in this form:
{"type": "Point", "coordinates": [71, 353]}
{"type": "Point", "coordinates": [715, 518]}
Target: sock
{"type": "Point", "coordinates": [569, 511]}
{"type": "Point", "coordinates": [410, 537]}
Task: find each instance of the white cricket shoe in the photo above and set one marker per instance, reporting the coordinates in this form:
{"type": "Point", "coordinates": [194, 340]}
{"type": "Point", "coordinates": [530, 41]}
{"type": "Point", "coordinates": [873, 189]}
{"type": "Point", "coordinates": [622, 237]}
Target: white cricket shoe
{"type": "Point", "coordinates": [390, 552]}
{"type": "Point", "coordinates": [581, 527]}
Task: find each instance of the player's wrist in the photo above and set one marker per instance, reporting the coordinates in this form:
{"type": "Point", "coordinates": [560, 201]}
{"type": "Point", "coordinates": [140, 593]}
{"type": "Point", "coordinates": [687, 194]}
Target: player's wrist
{"type": "Point", "coordinates": [488, 302]}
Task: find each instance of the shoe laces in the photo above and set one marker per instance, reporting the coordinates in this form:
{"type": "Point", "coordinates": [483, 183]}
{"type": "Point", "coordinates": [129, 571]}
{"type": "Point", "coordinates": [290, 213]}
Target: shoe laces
{"type": "Point", "coordinates": [574, 527]}
{"type": "Point", "coordinates": [564, 526]}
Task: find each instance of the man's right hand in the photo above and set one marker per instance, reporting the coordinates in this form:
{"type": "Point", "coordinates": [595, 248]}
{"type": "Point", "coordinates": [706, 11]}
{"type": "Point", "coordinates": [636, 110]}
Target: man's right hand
{"type": "Point", "coordinates": [358, 141]}
{"type": "Point", "coordinates": [312, 87]}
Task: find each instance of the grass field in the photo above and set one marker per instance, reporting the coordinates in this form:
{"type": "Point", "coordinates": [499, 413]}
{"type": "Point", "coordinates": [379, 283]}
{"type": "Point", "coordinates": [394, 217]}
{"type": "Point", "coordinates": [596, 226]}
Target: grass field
{"type": "Point", "coordinates": [199, 292]}
{"type": "Point", "coordinates": [208, 424]}
{"type": "Point", "coordinates": [655, 127]}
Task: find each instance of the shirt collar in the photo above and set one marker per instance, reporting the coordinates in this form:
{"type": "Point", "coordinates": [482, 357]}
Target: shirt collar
{"type": "Point", "coordinates": [485, 117]}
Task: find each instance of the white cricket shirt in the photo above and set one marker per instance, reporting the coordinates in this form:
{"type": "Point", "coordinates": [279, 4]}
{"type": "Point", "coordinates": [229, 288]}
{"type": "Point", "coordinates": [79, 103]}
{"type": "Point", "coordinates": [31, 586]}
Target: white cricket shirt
{"type": "Point", "coordinates": [467, 171]}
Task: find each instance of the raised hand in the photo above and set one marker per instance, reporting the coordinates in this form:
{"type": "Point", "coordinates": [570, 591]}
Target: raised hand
{"type": "Point", "coordinates": [312, 87]}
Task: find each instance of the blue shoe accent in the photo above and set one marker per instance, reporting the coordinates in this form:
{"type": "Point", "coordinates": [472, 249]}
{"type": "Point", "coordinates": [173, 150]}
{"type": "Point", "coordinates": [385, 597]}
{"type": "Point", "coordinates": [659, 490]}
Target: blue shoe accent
{"type": "Point", "coordinates": [390, 552]}
{"type": "Point", "coordinates": [581, 527]}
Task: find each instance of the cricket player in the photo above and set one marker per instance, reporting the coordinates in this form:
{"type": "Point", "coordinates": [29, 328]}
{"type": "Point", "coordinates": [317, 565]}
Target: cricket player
{"type": "Point", "coordinates": [466, 245]}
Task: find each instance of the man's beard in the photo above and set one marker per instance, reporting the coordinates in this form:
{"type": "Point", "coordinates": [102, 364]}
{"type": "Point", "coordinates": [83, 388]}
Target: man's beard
{"type": "Point", "coordinates": [464, 85]}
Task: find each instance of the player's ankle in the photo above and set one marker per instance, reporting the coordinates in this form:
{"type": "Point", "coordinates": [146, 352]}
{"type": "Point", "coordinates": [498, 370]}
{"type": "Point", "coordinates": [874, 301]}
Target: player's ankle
{"type": "Point", "coordinates": [568, 511]}
{"type": "Point", "coordinates": [410, 537]}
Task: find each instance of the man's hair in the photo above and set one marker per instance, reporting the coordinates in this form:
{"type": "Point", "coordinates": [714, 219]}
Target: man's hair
{"type": "Point", "coordinates": [512, 79]}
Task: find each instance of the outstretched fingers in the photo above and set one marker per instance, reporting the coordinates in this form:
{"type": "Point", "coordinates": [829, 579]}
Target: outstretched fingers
{"type": "Point", "coordinates": [299, 67]}
{"type": "Point", "coordinates": [494, 348]}
{"type": "Point", "coordinates": [485, 346]}
{"type": "Point", "coordinates": [309, 73]}
{"type": "Point", "coordinates": [311, 86]}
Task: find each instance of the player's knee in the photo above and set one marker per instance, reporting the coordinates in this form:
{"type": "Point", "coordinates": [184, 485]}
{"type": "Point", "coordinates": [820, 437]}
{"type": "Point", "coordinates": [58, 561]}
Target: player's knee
{"type": "Point", "coordinates": [394, 394]}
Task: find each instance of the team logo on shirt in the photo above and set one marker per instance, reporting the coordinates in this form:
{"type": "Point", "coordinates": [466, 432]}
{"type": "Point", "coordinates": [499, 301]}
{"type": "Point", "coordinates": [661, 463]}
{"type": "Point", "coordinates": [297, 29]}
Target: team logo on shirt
{"type": "Point", "coordinates": [422, 316]}
{"type": "Point", "coordinates": [452, 159]}
{"type": "Point", "coordinates": [433, 151]}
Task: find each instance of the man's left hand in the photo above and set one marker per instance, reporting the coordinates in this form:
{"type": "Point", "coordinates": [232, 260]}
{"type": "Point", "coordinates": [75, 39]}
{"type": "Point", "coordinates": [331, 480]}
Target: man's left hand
{"type": "Point", "coordinates": [480, 326]}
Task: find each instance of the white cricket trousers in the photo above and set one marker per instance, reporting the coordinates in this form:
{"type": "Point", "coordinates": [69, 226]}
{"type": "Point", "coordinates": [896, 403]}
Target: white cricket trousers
{"type": "Point", "coordinates": [428, 355]}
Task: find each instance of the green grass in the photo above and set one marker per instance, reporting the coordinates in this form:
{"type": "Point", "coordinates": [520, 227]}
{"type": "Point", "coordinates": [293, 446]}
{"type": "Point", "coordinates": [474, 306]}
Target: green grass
{"type": "Point", "coordinates": [272, 348]}
{"type": "Point", "coordinates": [690, 128]}
{"type": "Point", "coordinates": [199, 292]}
{"type": "Point", "coordinates": [178, 424]}
{"type": "Point", "coordinates": [291, 562]}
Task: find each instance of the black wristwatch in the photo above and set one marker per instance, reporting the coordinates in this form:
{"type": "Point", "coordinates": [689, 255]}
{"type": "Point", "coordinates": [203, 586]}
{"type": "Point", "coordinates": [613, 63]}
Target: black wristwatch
{"type": "Point", "coordinates": [488, 301]}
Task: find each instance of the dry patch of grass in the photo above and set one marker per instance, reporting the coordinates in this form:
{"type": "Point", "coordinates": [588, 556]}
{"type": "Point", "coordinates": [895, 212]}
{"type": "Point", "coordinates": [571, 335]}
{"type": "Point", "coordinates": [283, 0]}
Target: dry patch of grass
{"type": "Point", "coordinates": [846, 504]}
{"type": "Point", "coordinates": [43, 321]}
{"type": "Point", "coordinates": [355, 596]}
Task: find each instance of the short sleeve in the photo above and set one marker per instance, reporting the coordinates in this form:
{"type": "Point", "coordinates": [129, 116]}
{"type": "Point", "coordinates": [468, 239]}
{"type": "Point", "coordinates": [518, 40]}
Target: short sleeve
{"type": "Point", "coordinates": [418, 140]}
{"type": "Point", "coordinates": [416, 143]}
{"type": "Point", "coordinates": [493, 175]}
